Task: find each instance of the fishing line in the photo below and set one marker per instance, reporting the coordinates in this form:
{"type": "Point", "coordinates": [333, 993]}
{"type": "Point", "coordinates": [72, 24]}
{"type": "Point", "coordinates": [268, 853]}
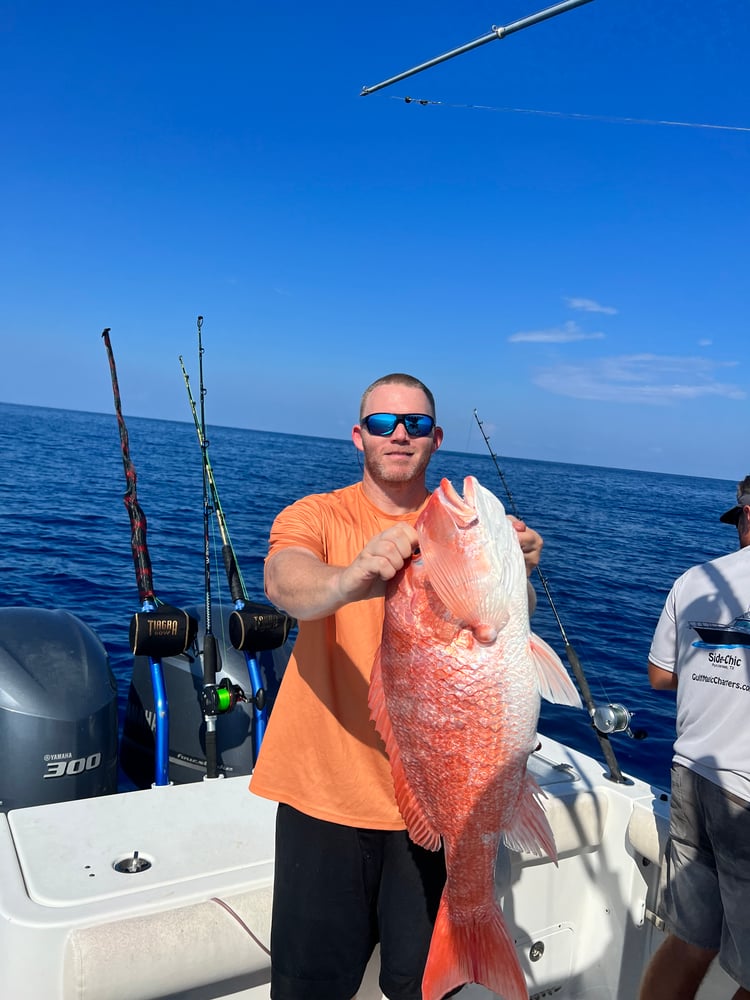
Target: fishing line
{"type": "Point", "coordinates": [503, 31]}
{"type": "Point", "coordinates": [609, 119]}
{"type": "Point", "coordinates": [604, 719]}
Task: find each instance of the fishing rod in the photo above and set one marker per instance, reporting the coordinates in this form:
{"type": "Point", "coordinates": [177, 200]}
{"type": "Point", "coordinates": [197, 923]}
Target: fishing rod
{"type": "Point", "coordinates": [501, 31]}
{"type": "Point", "coordinates": [605, 719]}
{"type": "Point", "coordinates": [253, 627]}
{"type": "Point", "coordinates": [159, 629]}
{"type": "Point", "coordinates": [210, 696]}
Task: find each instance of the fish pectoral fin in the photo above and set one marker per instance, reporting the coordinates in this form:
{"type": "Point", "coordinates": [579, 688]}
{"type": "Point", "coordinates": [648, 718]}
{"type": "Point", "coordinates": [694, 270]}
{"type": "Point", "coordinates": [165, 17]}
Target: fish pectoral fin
{"type": "Point", "coordinates": [471, 594]}
{"type": "Point", "coordinates": [473, 588]}
{"type": "Point", "coordinates": [453, 578]}
{"type": "Point", "coordinates": [419, 827]}
{"type": "Point", "coordinates": [530, 830]}
{"type": "Point", "coordinates": [554, 683]}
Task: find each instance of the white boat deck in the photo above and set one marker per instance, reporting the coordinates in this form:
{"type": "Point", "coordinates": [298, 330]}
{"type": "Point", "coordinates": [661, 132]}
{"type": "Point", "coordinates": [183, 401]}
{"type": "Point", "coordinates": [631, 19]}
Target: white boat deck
{"type": "Point", "coordinates": [194, 925]}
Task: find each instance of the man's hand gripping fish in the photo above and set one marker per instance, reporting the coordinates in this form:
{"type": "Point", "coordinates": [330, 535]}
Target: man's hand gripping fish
{"type": "Point", "coordinates": [455, 695]}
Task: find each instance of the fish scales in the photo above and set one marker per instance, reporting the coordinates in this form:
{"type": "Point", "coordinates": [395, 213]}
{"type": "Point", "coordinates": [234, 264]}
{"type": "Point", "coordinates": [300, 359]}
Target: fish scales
{"type": "Point", "coordinates": [455, 696]}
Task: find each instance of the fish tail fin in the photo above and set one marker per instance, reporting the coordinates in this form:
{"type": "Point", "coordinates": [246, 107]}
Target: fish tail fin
{"type": "Point", "coordinates": [554, 683]}
{"type": "Point", "coordinates": [480, 951]}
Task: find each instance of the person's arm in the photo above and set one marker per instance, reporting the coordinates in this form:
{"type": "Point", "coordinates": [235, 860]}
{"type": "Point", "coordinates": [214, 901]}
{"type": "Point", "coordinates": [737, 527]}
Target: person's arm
{"type": "Point", "coordinates": [301, 584]}
{"type": "Point", "coordinates": [661, 679]}
{"type": "Point", "coordinates": [664, 645]}
{"type": "Point", "coordinates": [531, 543]}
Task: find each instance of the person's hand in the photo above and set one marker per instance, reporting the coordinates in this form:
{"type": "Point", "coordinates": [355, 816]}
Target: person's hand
{"type": "Point", "coordinates": [531, 543]}
{"type": "Point", "coordinates": [377, 563]}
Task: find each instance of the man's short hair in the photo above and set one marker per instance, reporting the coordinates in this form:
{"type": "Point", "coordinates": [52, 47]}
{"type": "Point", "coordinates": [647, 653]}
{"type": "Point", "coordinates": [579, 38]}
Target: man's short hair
{"type": "Point", "coordinates": [397, 378]}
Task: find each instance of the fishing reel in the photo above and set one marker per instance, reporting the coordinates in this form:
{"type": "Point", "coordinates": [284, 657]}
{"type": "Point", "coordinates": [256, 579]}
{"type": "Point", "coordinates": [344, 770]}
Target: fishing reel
{"type": "Point", "coordinates": [218, 699]}
{"type": "Point", "coordinates": [615, 718]}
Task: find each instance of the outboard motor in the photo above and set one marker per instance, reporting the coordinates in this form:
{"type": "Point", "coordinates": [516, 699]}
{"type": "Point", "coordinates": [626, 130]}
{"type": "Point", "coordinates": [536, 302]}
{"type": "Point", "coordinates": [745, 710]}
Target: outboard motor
{"type": "Point", "coordinates": [183, 681]}
{"type": "Point", "coordinates": [58, 710]}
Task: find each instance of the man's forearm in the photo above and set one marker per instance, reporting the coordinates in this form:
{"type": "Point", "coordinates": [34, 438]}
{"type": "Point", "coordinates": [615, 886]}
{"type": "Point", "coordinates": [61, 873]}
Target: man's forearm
{"type": "Point", "coordinates": [300, 584]}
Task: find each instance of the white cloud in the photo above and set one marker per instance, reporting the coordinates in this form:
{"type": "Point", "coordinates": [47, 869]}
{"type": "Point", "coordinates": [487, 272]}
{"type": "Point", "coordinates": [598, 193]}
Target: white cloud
{"type": "Point", "coordinates": [565, 334]}
{"type": "Point", "coordinates": [639, 378]}
{"type": "Point", "coordinates": [705, 342]}
{"type": "Point", "coordinates": [589, 305]}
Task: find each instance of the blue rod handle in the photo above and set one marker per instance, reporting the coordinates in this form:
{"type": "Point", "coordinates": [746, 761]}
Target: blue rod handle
{"type": "Point", "coordinates": [260, 714]}
{"type": "Point", "coordinates": [161, 717]}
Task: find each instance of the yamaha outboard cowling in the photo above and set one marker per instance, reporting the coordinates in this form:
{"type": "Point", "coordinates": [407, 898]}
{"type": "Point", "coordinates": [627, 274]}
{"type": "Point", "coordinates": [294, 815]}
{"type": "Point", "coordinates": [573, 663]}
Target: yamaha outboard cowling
{"type": "Point", "coordinates": [58, 710]}
{"type": "Point", "coordinates": [183, 681]}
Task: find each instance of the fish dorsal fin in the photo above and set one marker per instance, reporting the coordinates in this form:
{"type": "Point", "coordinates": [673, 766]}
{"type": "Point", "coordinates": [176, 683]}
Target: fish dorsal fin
{"type": "Point", "coordinates": [554, 683]}
{"type": "Point", "coordinates": [420, 829]}
{"type": "Point", "coordinates": [529, 830]}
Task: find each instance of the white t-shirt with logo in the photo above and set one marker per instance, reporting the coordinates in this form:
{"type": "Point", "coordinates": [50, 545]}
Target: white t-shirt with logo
{"type": "Point", "coordinates": [699, 639]}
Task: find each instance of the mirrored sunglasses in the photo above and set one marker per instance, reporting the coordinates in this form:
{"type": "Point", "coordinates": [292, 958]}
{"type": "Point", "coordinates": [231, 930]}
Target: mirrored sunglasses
{"type": "Point", "coordinates": [384, 424]}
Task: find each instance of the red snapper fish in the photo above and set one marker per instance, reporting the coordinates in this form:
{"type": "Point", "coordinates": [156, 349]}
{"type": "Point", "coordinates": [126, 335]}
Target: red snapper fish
{"type": "Point", "coordinates": [455, 695]}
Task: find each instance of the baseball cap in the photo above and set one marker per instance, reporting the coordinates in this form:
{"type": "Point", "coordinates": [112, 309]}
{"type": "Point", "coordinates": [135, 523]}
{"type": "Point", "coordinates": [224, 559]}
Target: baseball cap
{"type": "Point", "coordinates": [732, 515]}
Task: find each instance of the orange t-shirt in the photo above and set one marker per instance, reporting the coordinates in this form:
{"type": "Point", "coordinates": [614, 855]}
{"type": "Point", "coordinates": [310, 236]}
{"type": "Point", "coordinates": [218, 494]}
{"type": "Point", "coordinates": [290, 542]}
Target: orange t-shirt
{"type": "Point", "coordinates": [321, 753]}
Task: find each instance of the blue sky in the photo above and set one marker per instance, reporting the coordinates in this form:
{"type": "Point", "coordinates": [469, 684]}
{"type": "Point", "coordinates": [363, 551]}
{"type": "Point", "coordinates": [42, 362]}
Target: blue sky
{"type": "Point", "coordinates": [531, 243]}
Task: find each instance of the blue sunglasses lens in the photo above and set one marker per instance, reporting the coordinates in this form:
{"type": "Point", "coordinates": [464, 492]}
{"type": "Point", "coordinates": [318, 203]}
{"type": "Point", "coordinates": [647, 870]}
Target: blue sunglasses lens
{"type": "Point", "coordinates": [384, 424]}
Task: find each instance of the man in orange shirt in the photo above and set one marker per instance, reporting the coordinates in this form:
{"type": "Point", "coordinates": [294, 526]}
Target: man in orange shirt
{"type": "Point", "coordinates": [347, 876]}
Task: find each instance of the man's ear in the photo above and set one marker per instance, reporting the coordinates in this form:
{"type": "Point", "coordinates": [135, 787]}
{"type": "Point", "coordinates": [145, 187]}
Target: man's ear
{"type": "Point", "coordinates": [357, 437]}
{"type": "Point", "coordinates": [437, 438]}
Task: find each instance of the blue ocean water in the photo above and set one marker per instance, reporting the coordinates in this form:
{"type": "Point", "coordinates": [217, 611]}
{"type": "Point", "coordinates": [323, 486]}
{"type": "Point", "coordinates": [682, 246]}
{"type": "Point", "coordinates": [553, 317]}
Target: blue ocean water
{"type": "Point", "coordinates": [614, 540]}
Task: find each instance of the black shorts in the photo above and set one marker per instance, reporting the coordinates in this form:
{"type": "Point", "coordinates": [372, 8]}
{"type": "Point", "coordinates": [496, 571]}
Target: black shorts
{"type": "Point", "coordinates": [338, 891]}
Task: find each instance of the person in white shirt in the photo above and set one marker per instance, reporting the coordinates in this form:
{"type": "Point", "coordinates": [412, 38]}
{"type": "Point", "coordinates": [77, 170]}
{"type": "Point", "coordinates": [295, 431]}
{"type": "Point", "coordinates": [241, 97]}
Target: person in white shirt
{"type": "Point", "coordinates": [701, 650]}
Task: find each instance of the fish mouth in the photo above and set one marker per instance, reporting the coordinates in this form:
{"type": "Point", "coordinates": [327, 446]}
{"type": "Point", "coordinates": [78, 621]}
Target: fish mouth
{"type": "Point", "coordinates": [462, 510]}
